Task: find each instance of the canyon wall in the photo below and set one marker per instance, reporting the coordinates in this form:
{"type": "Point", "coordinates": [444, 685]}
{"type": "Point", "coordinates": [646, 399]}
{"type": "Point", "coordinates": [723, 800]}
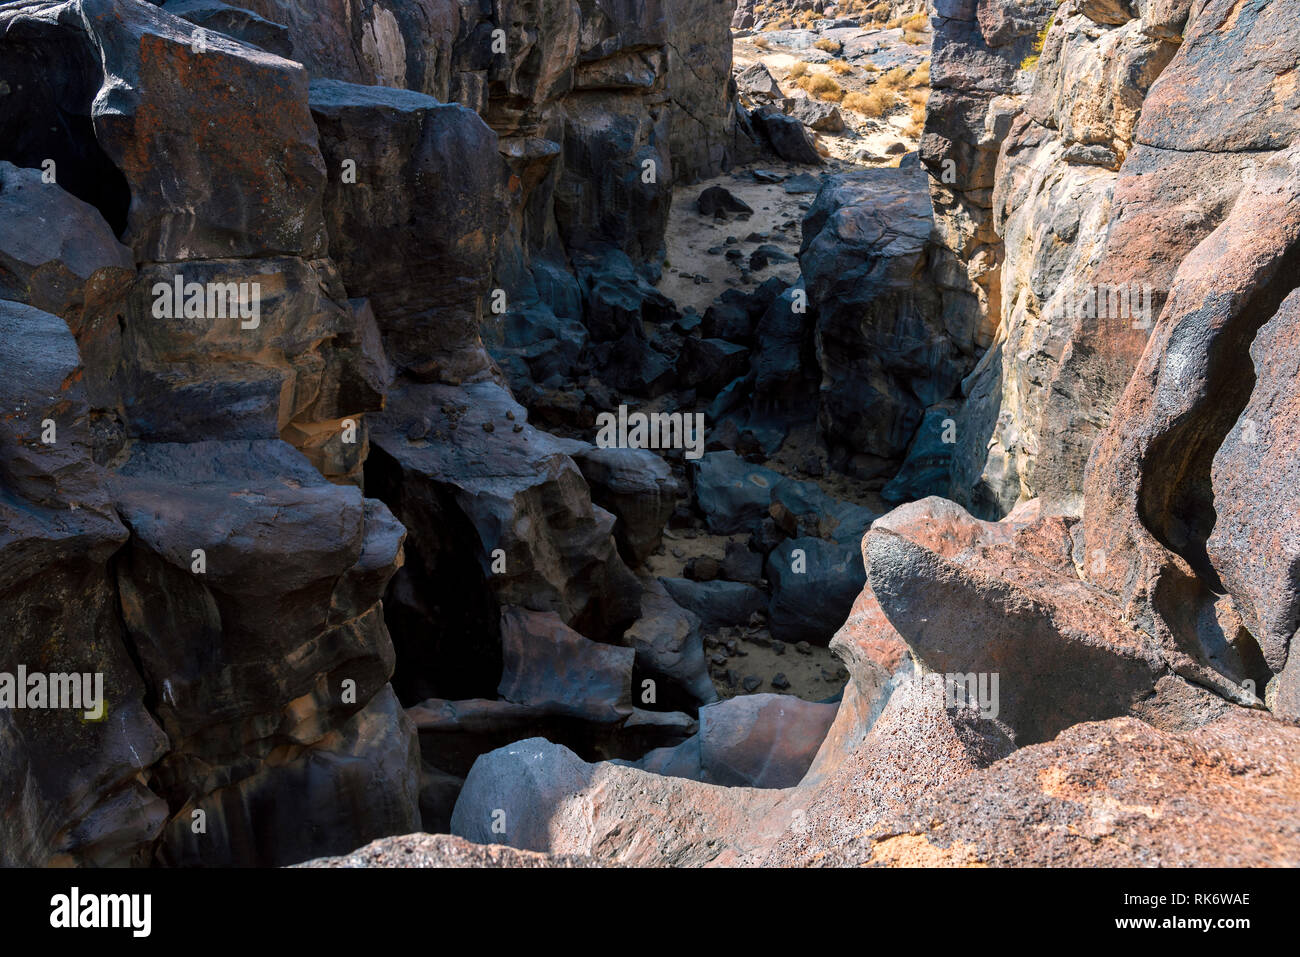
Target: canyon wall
{"type": "Point", "coordinates": [192, 500]}
{"type": "Point", "coordinates": [1120, 213]}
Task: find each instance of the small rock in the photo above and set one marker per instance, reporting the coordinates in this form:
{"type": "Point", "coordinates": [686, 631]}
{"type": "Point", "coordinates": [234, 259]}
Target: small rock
{"type": "Point", "coordinates": [767, 254]}
{"type": "Point", "coordinates": [717, 199]}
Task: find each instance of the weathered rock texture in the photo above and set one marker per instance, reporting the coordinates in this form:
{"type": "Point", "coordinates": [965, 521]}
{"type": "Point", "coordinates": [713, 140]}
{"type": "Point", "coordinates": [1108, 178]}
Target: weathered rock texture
{"type": "Point", "coordinates": [1148, 243]}
{"type": "Point", "coordinates": [232, 236]}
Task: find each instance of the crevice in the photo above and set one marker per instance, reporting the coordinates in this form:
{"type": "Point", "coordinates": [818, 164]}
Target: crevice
{"type": "Point", "coordinates": [1176, 499]}
{"type": "Point", "coordinates": [46, 94]}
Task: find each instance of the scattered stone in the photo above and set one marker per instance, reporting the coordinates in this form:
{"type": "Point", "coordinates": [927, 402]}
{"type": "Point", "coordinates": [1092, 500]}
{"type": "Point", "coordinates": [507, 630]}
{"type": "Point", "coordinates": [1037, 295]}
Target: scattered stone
{"type": "Point", "coordinates": [717, 199]}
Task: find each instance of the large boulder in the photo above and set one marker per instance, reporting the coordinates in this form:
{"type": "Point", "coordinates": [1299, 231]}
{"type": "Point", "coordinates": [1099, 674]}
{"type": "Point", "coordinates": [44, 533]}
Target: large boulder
{"type": "Point", "coordinates": [814, 584]}
{"type": "Point", "coordinates": [422, 256]}
{"type": "Point", "coordinates": [138, 83]}
{"type": "Point", "coordinates": [882, 341]}
{"type": "Point", "coordinates": [761, 740]}
{"type": "Point", "coordinates": [718, 604]}
{"type": "Point", "coordinates": [553, 669]}
{"type": "Point", "coordinates": [539, 796]}
{"type": "Point", "coordinates": [786, 135]}
{"type": "Point", "coordinates": [638, 488]}
{"type": "Point", "coordinates": [668, 644]}
{"type": "Point", "coordinates": [1059, 648]}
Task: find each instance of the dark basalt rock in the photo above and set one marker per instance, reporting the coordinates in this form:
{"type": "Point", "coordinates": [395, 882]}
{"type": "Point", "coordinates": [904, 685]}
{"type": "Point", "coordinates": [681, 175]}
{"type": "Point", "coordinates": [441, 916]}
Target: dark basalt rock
{"type": "Point", "coordinates": [717, 199]}
{"type": "Point", "coordinates": [786, 135]}
{"type": "Point", "coordinates": [421, 255]}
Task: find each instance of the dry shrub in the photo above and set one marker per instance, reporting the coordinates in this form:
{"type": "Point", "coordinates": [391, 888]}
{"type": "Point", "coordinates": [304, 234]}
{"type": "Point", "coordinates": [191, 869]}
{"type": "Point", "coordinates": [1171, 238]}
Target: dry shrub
{"type": "Point", "coordinates": [798, 69]}
{"type": "Point", "coordinates": [875, 103]}
{"type": "Point", "coordinates": [822, 86]}
{"type": "Point", "coordinates": [869, 13]}
{"type": "Point", "coordinates": [761, 42]}
{"type": "Point", "coordinates": [894, 79]}
{"type": "Point", "coordinates": [828, 45]}
{"type": "Point", "coordinates": [841, 66]}
{"type": "Point", "coordinates": [921, 75]}
{"type": "Point", "coordinates": [916, 23]}
{"type": "Point", "coordinates": [915, 38]}
{"type": "Point", "coordinates": [916, 124]}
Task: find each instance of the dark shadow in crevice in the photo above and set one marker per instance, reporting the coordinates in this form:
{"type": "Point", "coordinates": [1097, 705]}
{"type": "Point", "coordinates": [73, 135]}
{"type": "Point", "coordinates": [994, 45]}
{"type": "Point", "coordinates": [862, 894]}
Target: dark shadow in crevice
{"type": "Point", "coordinates": [1176, 500]}
{"type": "Point", "coordinates": [50, 81]}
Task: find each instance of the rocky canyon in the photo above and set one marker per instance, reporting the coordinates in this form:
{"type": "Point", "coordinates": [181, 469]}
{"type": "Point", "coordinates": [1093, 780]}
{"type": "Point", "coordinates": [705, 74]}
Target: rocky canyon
{"type": "Point", "coordinates": [649, 433]}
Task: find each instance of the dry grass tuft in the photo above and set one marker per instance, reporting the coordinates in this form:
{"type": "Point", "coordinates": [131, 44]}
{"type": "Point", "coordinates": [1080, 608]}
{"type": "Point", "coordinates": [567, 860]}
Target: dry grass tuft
{"type": "Point", "coordinates": [894, 79]}
{"type": "Point", "coordinates": [822, 86]}
{"type": "Point", "coordinates": [876, 103]}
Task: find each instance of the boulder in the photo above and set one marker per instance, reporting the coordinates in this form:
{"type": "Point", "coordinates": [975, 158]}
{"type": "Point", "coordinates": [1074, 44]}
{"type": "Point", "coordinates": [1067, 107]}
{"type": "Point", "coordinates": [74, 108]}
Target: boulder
{"type": "Point", "coordinates": [717, 604]}
{"type": "Point", "coordinates": [761, 740]}
{"type": "Point", "coordinates": [135, 74]}
{"type": "Point", "coordinates": [638, 488]}
{"type": "Point", "coordinates": [882, 341]}
{"type": "Point", "coordinates": [818, 115]}
{"type": "Point", "coordinates": [668, 644]}
{"type": "Point", "coordinates": [553, 669]}
{"type": "Point", "coordinates": [710, 364]}
{"type": "Point", "coordinates": [755, 80]}
{"type": "Point", "coordinates": [733, 494]}
{"type": "Point", "coordinates": [814, 584]}
{"type": "Point", "coordinates": [718, 200]}
{"type": "Point", "coordinates": [786, 135]}
{"type": "Point", "coordinates": [421, 256]}
{"type": "Point", "coordinates": [535, 795]}
{"type": "Point", "coordinates": [1061, 648]}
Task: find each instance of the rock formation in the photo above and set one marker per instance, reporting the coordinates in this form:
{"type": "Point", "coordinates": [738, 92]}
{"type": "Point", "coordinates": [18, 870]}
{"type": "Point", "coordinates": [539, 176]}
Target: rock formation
{"type": "Point", "coordinates": [386, 458]}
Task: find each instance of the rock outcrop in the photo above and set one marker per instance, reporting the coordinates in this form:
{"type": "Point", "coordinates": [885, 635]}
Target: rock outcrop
{"type": "Point", "coordinates": [201, 342]}
{"type": "Point", "coordinates": [313, 537]}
